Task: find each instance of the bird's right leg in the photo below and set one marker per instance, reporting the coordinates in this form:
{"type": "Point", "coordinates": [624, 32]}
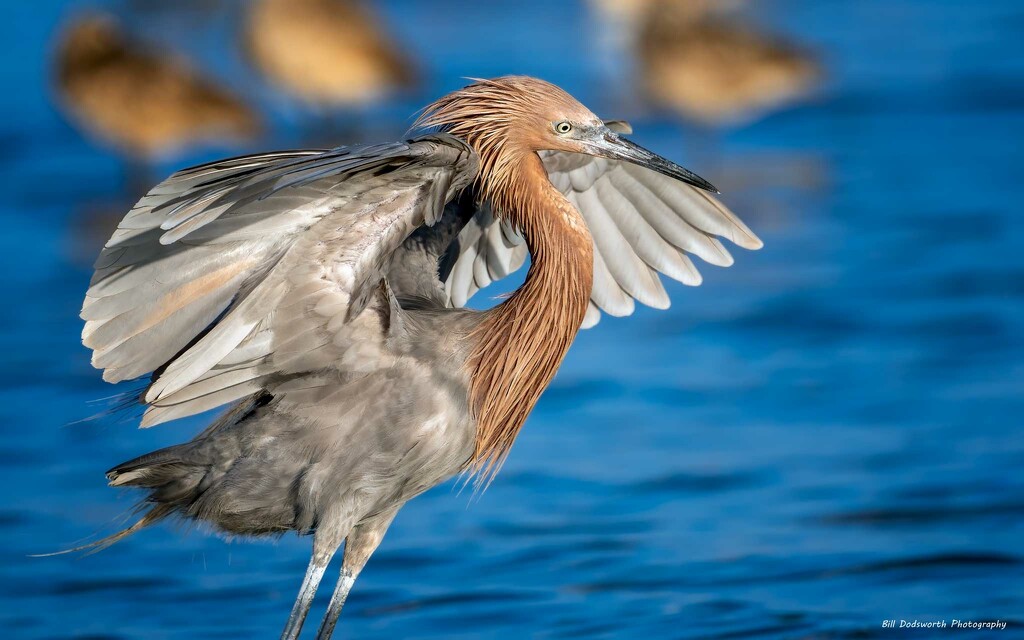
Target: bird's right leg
{"type": "Point", "coordinates": [359, 546]}
{"type": "Point", "coordinates": [323, 551]}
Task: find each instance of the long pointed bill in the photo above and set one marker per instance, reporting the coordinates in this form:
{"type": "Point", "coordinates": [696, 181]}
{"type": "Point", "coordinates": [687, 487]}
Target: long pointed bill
{"type": "Point", "coordinates": [616, 147]}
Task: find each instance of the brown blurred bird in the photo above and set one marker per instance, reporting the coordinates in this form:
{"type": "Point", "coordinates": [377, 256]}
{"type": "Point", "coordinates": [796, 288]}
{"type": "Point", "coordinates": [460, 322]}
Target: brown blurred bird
{"type": "Point", "coordinates": [631, 13]}
{"type": "Point", "coordinates": [328, 53]}
{"type": "Point", "coordinates": [144, 102]}
{"type": "Point", "coordinates": [716, 71]}
{"type": "Point", "coordinates": [321, 293]}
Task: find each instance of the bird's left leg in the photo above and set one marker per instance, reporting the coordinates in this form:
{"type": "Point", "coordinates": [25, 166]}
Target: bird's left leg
{"type": "Point", "coordinates": [359, 546]}
{"type": "Point", "coordinates": [324, 547]}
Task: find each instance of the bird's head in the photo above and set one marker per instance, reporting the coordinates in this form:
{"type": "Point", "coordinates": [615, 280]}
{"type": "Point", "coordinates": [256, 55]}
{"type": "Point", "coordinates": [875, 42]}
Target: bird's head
{"type": "Point", "coordinates": [505, 118]}
{"type": "Point", "coordinates": [90, 40]}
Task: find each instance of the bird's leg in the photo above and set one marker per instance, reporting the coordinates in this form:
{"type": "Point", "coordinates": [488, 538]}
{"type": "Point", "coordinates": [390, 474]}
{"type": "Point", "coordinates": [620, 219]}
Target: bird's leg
{"type": "Point", "coordinates": [322, 554]}
{"type": "Point", "coordinates": [359, 546]}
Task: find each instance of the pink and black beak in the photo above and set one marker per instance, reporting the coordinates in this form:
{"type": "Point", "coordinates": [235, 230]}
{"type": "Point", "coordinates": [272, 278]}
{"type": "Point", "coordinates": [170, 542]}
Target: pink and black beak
{"type": "Point", "coordinates": [606, 143]}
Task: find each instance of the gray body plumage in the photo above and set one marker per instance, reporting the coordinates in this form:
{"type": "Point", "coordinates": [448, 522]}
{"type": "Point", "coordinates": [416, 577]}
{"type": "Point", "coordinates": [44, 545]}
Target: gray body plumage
{"type": "Point", "coordinates": [316, 454]}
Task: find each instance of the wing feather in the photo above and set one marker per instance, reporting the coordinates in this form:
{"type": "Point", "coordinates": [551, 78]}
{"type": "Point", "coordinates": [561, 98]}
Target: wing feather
{"type": "Point", "coordinates": [489, 250]}
{"type": "Point", "coordinates": [217, 317]}
{"type": "Point", "coordinates": [629, 271]}
{"type": "Point", "coordinates": [643, 224]}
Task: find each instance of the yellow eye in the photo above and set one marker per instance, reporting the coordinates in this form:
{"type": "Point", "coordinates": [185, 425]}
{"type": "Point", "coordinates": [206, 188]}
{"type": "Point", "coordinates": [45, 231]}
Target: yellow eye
{"type": "Point", "coordinates": [563, 127]}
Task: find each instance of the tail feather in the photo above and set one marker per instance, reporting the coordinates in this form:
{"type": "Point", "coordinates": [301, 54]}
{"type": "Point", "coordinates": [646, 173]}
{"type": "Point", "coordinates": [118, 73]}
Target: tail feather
{"type": "Point", "coordinates": [176, 477]}
{"type": "Point", "coordinates": [145, 471]}
{"type": "Point", "coordinates": [155, 514]}
{"type": "Point", "coordinates": [169, 478]}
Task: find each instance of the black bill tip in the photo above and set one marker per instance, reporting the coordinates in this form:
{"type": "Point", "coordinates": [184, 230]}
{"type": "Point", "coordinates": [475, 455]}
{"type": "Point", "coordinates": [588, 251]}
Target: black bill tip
{"type": "Point", "coordinates": [615, 146]}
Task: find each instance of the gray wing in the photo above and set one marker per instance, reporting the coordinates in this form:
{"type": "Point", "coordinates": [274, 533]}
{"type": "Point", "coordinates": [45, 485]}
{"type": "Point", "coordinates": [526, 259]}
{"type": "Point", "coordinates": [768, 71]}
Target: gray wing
{"type": "Point", "coordinates": [643, 224]}
{"type": "Point", "coordinates": [231, 272]}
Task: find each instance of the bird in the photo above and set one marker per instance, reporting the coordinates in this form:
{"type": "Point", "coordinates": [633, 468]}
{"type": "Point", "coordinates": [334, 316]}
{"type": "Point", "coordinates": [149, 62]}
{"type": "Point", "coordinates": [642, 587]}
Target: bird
{"type": "Point", "coordinates": [714, 70]}
{"type": "Point", "coordinates": [319, 295]}
{"type": "Point", "coordinates": [328, 53]}
{"type": "Point", "coordinates": [145, 103]}
{"type": "Point", "coordinates": [631, 13]}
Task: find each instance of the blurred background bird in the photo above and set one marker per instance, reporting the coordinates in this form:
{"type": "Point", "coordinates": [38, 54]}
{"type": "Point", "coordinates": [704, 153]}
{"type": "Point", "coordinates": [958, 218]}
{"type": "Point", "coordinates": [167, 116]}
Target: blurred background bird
{"type": "Point", "coordinates": [704, 61]}
{"type": "Point", "coordinates": [143, 102]}
{"type": "Point", "coordinates": [716, 71]}
{"type": "Point", "coordinates": [630, 14]}
{"type": "Point", "coordinates": [328, 54]}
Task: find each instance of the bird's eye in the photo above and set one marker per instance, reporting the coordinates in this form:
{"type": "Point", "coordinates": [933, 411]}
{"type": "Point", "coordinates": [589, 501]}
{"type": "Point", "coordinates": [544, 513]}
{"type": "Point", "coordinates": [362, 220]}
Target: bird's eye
{"type": "Point", "coordinates": [563, 127]}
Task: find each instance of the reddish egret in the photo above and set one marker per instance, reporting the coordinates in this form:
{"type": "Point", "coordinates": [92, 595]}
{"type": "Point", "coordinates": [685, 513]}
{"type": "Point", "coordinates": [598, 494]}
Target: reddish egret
{"type": "Point", "coordinates": [144, 102]}
{"type": "Point", "coordinates": [319, 292]}
{"type": "Point", "coordinates": [329, 53]}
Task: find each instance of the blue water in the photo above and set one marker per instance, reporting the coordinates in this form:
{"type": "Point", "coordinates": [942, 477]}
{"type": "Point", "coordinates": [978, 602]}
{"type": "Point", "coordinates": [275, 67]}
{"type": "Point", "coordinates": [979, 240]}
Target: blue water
{"type": "Point", "coordinates": [825, 436]}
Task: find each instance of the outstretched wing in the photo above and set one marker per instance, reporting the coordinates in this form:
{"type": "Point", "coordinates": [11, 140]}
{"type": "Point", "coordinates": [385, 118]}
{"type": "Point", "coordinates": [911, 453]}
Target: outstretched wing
{"type": "Point", "coordinates": [643, 224]}
{"type": "Point", "coordinates": [262, 265]}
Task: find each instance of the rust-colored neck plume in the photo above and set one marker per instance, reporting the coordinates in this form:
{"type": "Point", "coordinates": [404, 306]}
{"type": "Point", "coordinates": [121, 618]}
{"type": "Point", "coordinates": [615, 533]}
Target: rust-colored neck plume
{"type": "Point", "coordinates": [522, 342]}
